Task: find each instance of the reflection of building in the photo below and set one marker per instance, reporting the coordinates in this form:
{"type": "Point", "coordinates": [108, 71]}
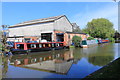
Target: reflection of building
{"type": "Point", "coordinates": [56, 28]}
{"type": "Point", "coordinates": [58, 63]}
{"type": "Point", "coordinates": [52, 65]}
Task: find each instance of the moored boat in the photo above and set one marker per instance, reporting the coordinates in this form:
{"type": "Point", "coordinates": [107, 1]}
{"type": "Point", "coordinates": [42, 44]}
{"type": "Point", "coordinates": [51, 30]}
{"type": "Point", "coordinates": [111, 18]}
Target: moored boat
{"type": "Point", "coordinates": [35, 47]}
{"type": "Point", "coordinates": [102, 41]}
{"type": "Point", "coordinates": [88, 43]}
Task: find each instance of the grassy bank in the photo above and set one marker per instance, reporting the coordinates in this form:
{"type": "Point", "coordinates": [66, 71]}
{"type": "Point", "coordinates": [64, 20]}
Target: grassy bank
{"type": "Point", "coordinates": [112, 70]}
{"type": "Point", "coordinates": [71, 46]}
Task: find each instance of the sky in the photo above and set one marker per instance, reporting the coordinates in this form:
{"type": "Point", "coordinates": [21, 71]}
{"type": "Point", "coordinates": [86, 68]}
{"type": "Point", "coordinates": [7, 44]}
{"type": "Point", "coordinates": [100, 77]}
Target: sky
{"type": "Point", "coordinates": [59, 0]}
{"type": "Point", "coordinates": [77, 12]}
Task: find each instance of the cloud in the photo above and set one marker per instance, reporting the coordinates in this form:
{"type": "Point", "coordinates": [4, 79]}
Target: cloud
{"type": "Point", "coordinates": [108, 12]}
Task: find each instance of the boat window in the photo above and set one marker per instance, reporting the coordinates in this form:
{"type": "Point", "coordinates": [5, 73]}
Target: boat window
{"type": "Point", "coordinates": [53, 45]}
{"type": "Point", "coordinates": [40, 45]}
{"type": "Point", "coordinates": [49, 45]}
{"type": "Point", "coordinates": [33, 45]}
{"type": "Point", "coordinates": [43, 45]}
{"type": "Point", "coordinates": [20, 46]}
{"type": "Point", "coordinates": [84, 42]}
{"type": "Point", "coordinates": [57, 44]}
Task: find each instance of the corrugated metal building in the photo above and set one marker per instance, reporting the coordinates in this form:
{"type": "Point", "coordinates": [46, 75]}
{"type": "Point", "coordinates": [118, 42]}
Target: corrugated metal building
{"type": "Point", "coordinates": [50, 29]}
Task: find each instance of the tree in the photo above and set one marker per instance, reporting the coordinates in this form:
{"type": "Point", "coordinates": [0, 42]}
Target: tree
{"type": "Point", "coordinates": [100, 28]}
{"type": "Point", "coordinates": [3, 39]}
{"type": "Point", "coordinates": [90, 38]}
{"type": "Point", "coordinates": [76, 40]}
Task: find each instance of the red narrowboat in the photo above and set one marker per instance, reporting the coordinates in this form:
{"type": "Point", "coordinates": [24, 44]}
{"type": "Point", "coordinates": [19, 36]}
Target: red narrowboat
{"type": "Point", "coordinates": [35, 47]}
{"type": "Point", "coordinates": [103, 41]}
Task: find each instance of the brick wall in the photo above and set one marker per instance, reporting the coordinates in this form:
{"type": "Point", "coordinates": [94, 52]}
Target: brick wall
{"type": "Point", "coordinates": [68, 37]}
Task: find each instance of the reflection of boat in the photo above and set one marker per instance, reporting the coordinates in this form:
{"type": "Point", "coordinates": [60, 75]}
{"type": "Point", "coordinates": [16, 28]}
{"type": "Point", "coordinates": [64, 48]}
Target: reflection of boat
{"type": "Point", "coordinates": [34, 47]}
{"type": "Point", "coordinates": [57, 63]}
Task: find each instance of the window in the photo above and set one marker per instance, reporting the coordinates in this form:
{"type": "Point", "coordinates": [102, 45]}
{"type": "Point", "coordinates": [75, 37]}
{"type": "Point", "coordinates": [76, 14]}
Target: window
{"type": "Point", "coordinates": [68, 36]}
{"type": "Point", "coordinates": [33, 46]}
{"type": "Point", "coordinates": [40, 45]}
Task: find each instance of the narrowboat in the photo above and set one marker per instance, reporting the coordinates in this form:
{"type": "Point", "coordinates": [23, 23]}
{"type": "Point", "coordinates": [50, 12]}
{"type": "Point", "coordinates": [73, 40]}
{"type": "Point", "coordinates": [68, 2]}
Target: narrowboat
{"type": "Point", "coordinates": [102, 41]}
{"type": "Point", "coordinates": [88, 43]}
{"type": "Point", "coordinates": [35, 47]}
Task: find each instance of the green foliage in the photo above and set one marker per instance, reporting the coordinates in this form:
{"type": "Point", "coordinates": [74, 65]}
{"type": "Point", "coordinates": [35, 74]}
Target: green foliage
{"type": "Point", "coordinates": [111, 39]}
{"type": "Point", "coordinates": [90, 38]}
{"type": "Point", "coordinates": [0, 47]}
{"type": "Point", "coordinates": [100, 28]}
{"type": "Point", "coordinates": [76, 40]}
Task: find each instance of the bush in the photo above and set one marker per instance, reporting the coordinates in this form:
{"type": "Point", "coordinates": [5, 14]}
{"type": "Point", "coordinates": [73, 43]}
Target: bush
{"type": "Point", "coordinates": [111, 39]}
{"type": "Point", "coordinates": [90, 38]}
{"type": "Point", "coordinates": [76, 40]}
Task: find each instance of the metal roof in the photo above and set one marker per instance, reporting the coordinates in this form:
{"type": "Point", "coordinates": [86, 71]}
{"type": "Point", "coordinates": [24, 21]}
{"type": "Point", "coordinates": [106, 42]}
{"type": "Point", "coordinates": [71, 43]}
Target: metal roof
{"type": "Point", "coordinates": [43, 20]}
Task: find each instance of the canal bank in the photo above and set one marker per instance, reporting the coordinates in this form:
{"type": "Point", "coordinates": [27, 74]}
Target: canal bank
{"type": "Point", "coordinates": [111, 70]}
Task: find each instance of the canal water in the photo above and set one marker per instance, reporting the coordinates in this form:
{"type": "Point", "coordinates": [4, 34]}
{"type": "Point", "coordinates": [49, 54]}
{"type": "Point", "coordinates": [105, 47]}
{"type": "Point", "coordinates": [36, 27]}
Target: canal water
{"type": "Point", "coordinates": [72, 63]}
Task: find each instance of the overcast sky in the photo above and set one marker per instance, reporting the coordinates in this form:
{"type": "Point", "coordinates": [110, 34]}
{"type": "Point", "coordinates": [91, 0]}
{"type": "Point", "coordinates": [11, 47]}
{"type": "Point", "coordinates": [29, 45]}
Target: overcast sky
{"type": "Point", "coordinates": [78, 12]}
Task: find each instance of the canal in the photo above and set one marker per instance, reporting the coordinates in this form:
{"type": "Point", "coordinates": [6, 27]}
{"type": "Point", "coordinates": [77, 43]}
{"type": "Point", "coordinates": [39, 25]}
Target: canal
{"type": "Point", "coordinates": [72, 63]}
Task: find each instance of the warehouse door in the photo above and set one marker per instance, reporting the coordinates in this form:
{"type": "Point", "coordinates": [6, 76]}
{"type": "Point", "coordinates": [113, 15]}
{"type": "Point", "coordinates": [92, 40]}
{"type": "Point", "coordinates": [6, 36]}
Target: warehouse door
{"type": "Point", "coordinates": [46, 36]}
{"type": "Point", "coordinates": [59, 37]}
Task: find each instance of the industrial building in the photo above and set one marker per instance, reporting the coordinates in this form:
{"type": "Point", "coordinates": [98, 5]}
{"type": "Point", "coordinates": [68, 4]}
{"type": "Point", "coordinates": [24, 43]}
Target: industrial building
{"type": "Point", "coordinates": [57, 28]}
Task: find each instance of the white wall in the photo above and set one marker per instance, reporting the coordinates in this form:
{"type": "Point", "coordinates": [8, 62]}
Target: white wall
{"type": "Point", "coordinates": [62, 24]}
{"type": "Point", "coordinates": [31, 30]}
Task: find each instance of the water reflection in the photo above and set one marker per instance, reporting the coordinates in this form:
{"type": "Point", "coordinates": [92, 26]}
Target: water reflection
{"type": "Point", "coordinates": [4, 65]}
{"type": "Point", "coordinates": [61, 61]}
{"type": "Point", "coordinates": [100, 60]}
{"type": "Point", "coordinates": [51, 61]}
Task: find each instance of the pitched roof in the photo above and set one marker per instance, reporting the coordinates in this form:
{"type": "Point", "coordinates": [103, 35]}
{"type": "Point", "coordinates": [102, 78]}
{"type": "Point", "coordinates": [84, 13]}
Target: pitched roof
{"type": "Point", "coordinates": [43, 20]}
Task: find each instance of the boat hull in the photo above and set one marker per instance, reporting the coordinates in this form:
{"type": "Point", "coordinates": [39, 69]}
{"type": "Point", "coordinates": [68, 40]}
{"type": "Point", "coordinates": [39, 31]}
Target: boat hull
{"type": "Point", "coordinates": [40, 49]}
{"type": "Point", "coordinates": [19, 51]}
